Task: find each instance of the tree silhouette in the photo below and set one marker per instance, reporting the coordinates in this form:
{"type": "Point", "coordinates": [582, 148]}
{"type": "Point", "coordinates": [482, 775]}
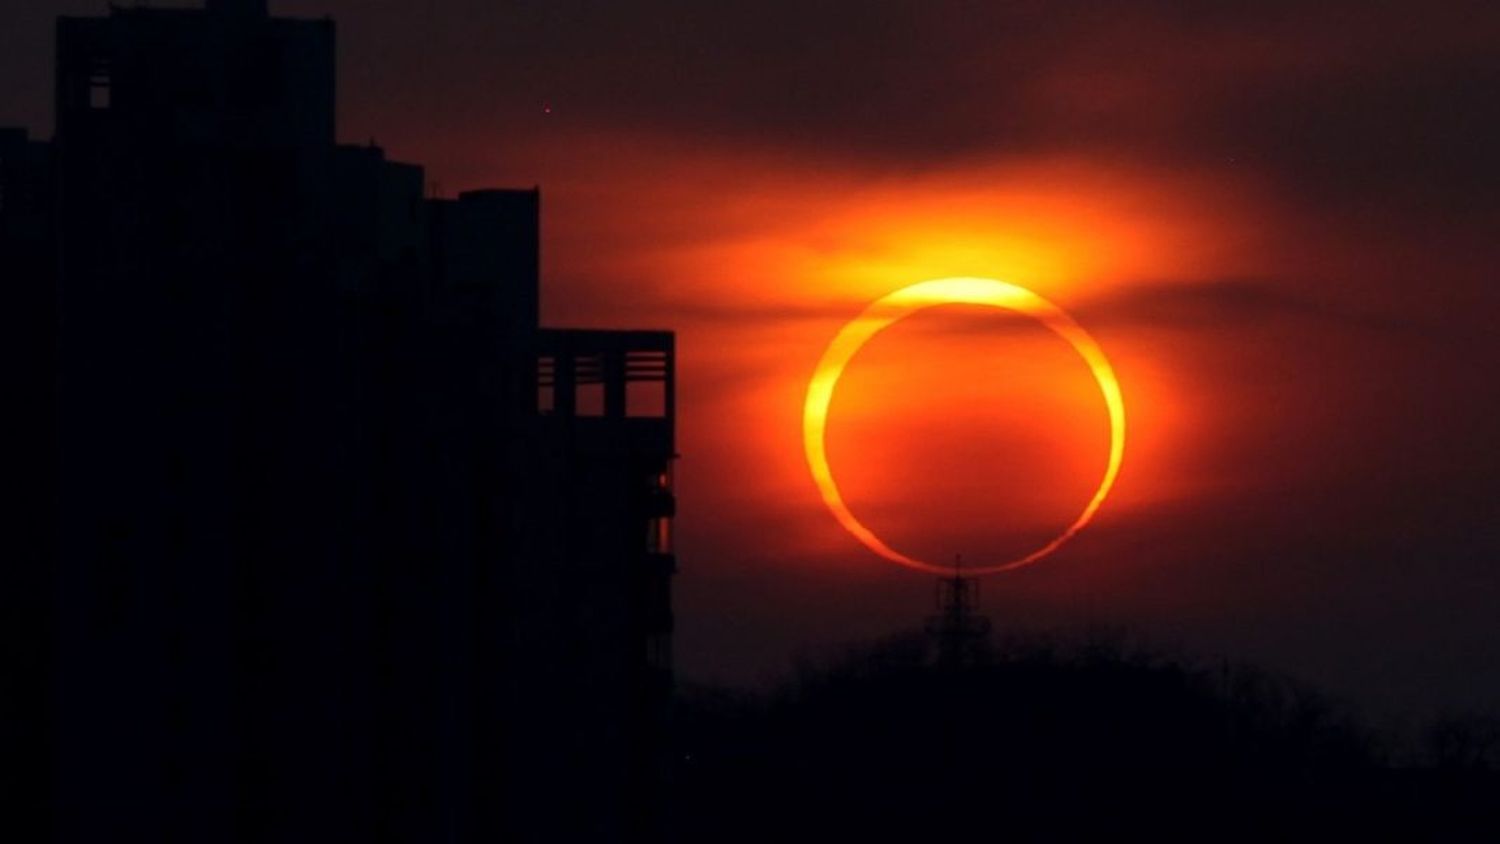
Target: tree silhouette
{"type": "Point", "coordinates": [1050, 738]}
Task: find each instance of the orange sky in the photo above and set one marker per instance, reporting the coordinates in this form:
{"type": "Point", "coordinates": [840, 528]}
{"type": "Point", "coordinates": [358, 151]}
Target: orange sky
{"type": "Point", "coordinates": [1277, 218]}
{"type": "Point", "coordinates": [967, 432]}
{"type": "Point", "coordinates": [756, 282]}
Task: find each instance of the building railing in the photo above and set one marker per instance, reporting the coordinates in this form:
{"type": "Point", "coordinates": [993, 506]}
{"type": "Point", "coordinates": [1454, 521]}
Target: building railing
{"type": "Point", "coordinates": [626, 378]}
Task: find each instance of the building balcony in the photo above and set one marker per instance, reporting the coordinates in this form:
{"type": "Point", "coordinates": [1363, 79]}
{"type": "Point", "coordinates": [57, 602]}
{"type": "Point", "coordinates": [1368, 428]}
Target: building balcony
{"type": "Point", "coordinates": [611, 390]}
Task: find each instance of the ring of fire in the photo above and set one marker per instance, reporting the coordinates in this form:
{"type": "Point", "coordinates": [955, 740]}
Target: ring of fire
{"type": "Point", "coordinates": [889, 309]}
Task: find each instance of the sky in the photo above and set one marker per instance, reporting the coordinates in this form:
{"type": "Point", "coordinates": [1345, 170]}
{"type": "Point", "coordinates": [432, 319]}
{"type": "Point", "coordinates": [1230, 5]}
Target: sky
{"type": "Point", "coordinates": [1278, 219]}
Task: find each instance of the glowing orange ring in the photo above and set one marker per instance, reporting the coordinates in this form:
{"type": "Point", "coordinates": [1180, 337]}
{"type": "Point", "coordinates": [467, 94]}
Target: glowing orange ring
{"type": "Point", "coordinates": [887, 310]}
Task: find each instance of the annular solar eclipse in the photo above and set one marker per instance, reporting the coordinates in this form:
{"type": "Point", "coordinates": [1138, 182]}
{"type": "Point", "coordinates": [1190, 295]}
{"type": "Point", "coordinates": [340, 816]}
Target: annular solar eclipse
{"type": "Point", "coordinates": [893, 307]}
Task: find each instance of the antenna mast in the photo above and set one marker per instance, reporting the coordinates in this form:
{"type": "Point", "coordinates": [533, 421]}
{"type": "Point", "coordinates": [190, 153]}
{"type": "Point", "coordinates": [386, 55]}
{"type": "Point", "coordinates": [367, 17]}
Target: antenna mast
{"type": "Point", "coordinates": [959, 628]}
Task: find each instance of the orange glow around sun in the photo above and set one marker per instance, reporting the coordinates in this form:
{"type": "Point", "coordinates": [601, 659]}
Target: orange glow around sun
{"type": "Point", "coordinates": [897, 305]}
{"type": "Point", "coordinates": [960, 429]}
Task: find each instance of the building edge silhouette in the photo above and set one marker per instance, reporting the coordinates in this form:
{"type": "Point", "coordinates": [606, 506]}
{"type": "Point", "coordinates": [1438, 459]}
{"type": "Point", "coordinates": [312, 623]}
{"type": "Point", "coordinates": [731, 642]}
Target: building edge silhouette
{"type": "Point", "coordinates": [338, 543]}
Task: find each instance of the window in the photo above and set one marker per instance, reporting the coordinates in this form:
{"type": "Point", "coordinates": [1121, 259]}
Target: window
{"type": "Point", "coordinates": [646, 399]}
{"type": "Point", "coordinates": [659, 535]}
{"type": "Point", "coordinates": [590, 398]}
{"type": "Point", "coordinates": [546, 384]}
{"type": "Point", "coordinates": [659, 651]}
{"type": "Point", "coordinates": [662, 480]}
{"type": "Point", "coordinates": [99, 86]}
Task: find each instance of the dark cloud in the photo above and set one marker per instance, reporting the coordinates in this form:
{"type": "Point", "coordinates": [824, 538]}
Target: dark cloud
{"type": "Point", "coordinates": [1337, 101]}
{"type": "Point", "coordinates": [1425, 131]}
{"type": "Point", "coordinates": [1225, 303]}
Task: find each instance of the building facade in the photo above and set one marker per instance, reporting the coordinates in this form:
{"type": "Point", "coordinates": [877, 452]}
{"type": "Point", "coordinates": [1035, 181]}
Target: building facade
{"type": "Point", "coordinates": [347, 546]}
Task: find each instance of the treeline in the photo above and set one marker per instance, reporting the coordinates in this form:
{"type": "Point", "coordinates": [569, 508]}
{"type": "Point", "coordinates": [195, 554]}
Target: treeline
{"type": "Point", "coordinates": [1050, 738]}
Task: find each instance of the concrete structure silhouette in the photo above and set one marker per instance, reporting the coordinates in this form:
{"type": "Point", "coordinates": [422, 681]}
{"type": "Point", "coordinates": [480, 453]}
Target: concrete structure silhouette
{"type": "Point", "coordinates": [347, 546]}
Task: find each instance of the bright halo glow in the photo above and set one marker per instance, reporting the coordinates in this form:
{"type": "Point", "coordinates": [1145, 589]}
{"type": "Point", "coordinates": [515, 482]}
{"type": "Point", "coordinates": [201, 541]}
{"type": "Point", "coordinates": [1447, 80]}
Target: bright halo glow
{"type": "Point", "coordinates": [889, 309]}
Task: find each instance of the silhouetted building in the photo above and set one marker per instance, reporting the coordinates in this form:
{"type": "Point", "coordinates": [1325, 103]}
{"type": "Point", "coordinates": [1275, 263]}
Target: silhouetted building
{"type": "Point", "coordinates": [348, 547]}
{"type": "Point", "coordinates": [27, 265]}
{"type": "Point", "coordinates": [597, 477]}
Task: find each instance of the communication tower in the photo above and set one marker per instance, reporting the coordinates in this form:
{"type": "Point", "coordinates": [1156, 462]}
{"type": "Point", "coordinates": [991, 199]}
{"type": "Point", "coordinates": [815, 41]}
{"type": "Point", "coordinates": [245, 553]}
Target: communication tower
{"type": "Point", "coordinates": [958, 628]}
